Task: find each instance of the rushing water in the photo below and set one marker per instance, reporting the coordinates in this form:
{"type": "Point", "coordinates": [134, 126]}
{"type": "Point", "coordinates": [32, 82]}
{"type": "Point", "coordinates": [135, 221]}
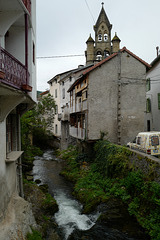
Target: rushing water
{"type": "Point", "coordinates": [69, 217]}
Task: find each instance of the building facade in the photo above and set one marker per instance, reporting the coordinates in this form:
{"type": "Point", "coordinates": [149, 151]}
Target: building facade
{"type": "Point", "coordinates": [109, 98]}
{"type": "Point", "coordinates": [152, 118]}
{"type": "Point", "coordinates": [17, 89]}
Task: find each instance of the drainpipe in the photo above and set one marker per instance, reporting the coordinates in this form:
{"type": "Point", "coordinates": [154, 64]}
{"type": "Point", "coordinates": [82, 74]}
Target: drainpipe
{"type": "Point", "coordinates": [26, 47]}
{"type": "Point", "coordinates": [119, 124]}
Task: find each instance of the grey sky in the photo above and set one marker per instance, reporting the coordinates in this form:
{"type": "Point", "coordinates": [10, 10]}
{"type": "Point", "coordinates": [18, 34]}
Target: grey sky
{"type": "Point", "coordinates": [64, 26]}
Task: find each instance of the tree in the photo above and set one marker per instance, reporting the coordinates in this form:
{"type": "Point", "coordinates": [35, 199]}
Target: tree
{"type": "Point", "coordinates": [39, 120]}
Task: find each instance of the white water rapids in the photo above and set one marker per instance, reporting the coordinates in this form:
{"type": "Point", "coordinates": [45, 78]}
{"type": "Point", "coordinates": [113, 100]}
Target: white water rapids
{"type": "Point", "coordinates": [69, 217]}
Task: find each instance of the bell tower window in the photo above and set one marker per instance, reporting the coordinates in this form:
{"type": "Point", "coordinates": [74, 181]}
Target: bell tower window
{"type": "Point", "coordinates": [106, 53]}
{"type": "Point", "coordinates": [99, 56]}
{"type": "Point", "coordinates": [100, 37]}
{"type": "Point", "coordinates": [105, 37]}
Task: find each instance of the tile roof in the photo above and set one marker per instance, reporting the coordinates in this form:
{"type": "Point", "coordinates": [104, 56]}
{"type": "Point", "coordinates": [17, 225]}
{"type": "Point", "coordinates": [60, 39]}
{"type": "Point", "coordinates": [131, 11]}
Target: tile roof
{"type": "Point", "coordinates": [124, 49]}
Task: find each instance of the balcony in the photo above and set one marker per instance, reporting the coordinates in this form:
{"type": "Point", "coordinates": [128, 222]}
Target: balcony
{"type": "Point", "coordinates": [27, 4]}
{"type": "Point", "coordinates": [77, 132]}
{"type": "Point", "coordinates": [13, 72]}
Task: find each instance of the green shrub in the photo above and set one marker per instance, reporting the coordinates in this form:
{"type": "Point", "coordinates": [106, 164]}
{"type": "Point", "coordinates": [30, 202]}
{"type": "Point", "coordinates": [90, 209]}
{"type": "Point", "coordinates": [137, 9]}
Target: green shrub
{"type": "Point", "coordinates": [35, 235]}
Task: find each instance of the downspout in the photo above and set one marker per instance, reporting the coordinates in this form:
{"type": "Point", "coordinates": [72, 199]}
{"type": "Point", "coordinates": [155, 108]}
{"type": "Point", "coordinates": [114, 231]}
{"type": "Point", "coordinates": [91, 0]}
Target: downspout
{"type": "Point", "coordinates": [119, 117]}
{"type": "Point", "coordinates": [26, 47]}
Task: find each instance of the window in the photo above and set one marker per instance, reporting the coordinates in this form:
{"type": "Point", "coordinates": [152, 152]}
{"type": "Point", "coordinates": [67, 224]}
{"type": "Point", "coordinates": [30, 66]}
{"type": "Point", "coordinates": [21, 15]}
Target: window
{"type": "Point", "coordinates": [148, 84]}
{"type": "Point", "coordinates": [105, 37]}
{"type": "Point", "coordinates": [148, 105]}
{"type": "Point", "coordinates": [55, 93]}
{"type": "Point", "coordinates": [106, 53]}
{"type": "Point", "coordinates": [9, 133]}
{"type": "Point", "coordinates": [100, 37]}
{"type": "Point", "coordinates": [155, 140]}
{"type": "Point", "coordinates": [56, 109]}
{"type": "Point", "coordinates": [158, 100]}
{"type": "Point", "coordinates": [63, 93]}
{"type": "Point", "coordinates": [148, 125]}
{"type": "Point", "coordinates": [33, 53]}
{"type": "Point", "coordinates": [70, 78]}
{"type": "Point", "coordinates": [56, 128]}
{"type": "Point", "coordinates": [62, 83]}
{"type": "Point", "coordinates": [139, 140]}
{"type": "Point", "coordinates": [99, 56]}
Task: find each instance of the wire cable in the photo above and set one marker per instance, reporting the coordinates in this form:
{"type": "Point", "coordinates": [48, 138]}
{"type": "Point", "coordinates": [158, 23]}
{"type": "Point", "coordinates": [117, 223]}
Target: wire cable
{"type": "Point", "coordinates": [76, 55]}
{"type": "Point", "coordinates": [89, 11]}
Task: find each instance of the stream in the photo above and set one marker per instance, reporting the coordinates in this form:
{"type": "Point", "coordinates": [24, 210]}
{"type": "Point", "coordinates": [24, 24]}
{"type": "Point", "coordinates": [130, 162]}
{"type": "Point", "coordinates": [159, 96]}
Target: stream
{"type": "Point", "coordinates": [69, 217]}
{"type": "Point", "coordinates": [71, 222]}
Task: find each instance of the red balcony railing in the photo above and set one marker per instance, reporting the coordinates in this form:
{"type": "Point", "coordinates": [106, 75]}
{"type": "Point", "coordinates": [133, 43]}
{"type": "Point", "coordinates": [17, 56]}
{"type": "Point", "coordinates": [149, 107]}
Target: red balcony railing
{"type": "Point", "coordinates": [27, 3]}
{"type": "Point", "coordinates": [14, 72]}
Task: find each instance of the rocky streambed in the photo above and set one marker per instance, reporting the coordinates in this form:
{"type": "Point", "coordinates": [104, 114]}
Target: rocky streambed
{"type": "Point", "coordinates": [67, 221]}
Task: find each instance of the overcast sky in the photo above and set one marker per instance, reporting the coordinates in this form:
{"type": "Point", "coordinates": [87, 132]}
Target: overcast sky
{"type": "Point", "coordinates": [64, 26]}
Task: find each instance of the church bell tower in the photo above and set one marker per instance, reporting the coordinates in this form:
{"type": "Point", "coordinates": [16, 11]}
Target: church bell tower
{"type": "Point", "coordinates": [99, 48]}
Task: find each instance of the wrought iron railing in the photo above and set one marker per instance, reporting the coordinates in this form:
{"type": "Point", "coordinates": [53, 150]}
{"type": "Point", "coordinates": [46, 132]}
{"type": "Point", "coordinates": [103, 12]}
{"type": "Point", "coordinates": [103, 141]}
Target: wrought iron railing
{"type": "Point", "coordinates": [27, 3]}
{"type": "Point", "coordinates": [15, 73]}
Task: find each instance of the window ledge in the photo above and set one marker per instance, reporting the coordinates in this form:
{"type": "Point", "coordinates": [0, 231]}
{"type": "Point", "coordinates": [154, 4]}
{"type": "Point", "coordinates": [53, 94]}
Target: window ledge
{"type": "Point", "coordinates": [13, 156]}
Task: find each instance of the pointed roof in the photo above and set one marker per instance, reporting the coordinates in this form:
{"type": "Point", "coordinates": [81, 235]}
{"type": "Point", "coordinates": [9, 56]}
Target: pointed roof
{"type": "Point", "coordinates": [124, 49]}
{"type": "Point", "coordinates": [116, 38]}
{"type": "Point", "coordinates": [90, 39]}
{"type": "Point", "coordinates": [103, 18]}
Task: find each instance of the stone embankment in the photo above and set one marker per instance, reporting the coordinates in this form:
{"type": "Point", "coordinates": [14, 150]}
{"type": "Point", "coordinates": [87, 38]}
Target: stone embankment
{"type": "Point", "coordinates": [18, 219]}
{"type": "Point", "coordinates": [149, 165]}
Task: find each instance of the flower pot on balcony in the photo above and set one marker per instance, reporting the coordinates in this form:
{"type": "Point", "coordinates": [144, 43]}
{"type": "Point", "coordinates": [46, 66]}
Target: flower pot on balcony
{"type": "Point", "coordinates": [2, 74]}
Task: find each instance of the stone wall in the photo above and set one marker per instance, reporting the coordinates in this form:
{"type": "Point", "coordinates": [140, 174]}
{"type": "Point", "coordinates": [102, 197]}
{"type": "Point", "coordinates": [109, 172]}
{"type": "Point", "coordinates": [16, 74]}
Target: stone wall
{"type": "Point", "coordinates": [149, 165]}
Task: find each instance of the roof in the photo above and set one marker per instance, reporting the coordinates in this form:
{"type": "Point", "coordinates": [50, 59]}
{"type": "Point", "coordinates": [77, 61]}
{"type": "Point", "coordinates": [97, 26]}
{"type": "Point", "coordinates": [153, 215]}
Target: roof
{"type": "Point", "coordinates": [156, 60]}
{"type": "Point", "coordinates": [124, 49]}
{"type": "Point", "coordinates": [43, 93]}
{"type": "Point", "coordinates": [90, 39]}
{"type": "Point", "coordinates": [59, 74]}
{"type": "Point", "coordinates": [75, 71]}
{"type": "Point", "coordinates": [116, 38]}
{"type": "Point", "coordinates": [103, 17]}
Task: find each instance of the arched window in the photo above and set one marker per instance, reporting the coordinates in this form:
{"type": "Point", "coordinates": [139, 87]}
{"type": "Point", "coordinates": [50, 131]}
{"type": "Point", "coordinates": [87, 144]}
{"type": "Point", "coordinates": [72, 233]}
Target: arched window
{"type": "Point", "coordinates": [99, 37]}
{"type": "Point", "coordinates": [106, 53]}
{"type": "Point", "coordinates": [99, 56]}
{"type": "Point", "coordinates": [105, 37]}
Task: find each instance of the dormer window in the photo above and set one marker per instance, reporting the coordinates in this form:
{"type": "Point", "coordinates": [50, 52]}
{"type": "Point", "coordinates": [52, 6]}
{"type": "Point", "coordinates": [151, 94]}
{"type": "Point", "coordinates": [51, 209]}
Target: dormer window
{"type": "Point", "coordinates": [99, 37]}
{"type": "Point", "coordinates": [105, 37]}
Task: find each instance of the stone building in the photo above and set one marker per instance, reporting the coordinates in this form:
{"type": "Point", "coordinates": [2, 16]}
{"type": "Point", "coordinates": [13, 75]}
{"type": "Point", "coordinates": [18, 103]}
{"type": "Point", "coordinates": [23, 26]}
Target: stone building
{"type": "Point", "coordinates": [17, 90]}
{"type": "Point", "coordinates": [109, 98]}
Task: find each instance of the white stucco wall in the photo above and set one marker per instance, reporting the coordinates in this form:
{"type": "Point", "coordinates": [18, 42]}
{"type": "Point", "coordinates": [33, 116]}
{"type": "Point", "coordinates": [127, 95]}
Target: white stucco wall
{"type": "Point", "coordinates": [53, 88]}
{"type": "Point", "coordinates": [154, 115]}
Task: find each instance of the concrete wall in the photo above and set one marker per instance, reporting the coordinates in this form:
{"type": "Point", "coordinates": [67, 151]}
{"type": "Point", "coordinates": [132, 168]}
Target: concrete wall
{"type": "Point", "coordinates": [133, 104]}
{"type": "Point", "coordinates": [105, 98]}
{"type": "Point", "coordinates": [102, 101]}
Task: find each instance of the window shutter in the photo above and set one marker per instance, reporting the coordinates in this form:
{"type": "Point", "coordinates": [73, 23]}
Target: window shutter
{"type": "Point", "coordinates": [158, 100]}
{"type": "Point", "coordinates": [148, 107]}
{"type": "Point", "coordinates": [148, 85]}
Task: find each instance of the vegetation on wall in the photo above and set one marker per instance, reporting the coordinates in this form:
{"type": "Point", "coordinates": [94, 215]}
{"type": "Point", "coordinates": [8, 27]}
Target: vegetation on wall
{"type": "Point", "coordinates": [35, 129]}
{"type": "Point", "coordinates": [111, 175]}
